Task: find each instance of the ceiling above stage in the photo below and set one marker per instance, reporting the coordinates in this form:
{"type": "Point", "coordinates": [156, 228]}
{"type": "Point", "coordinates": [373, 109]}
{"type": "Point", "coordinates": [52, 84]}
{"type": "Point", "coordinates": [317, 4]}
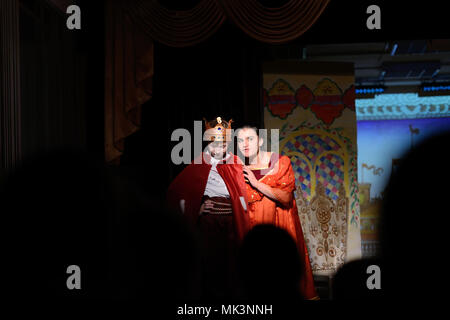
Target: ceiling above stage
{"type": "Point", "coordinates": [399, 64]}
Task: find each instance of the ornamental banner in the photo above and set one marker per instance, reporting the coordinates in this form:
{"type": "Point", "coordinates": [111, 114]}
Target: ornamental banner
{"type": "Point", "coordinates": [313, 106]}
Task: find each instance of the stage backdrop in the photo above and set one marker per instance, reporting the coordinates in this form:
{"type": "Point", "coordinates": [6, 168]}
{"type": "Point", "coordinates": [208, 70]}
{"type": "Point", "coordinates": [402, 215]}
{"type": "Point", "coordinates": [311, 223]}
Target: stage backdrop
{"type": "Point", "coordinates": [313, 105]}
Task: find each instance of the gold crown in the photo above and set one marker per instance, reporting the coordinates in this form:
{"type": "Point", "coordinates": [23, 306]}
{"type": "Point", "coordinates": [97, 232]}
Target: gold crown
{"type": "Point", "coordinates": [217, 130]}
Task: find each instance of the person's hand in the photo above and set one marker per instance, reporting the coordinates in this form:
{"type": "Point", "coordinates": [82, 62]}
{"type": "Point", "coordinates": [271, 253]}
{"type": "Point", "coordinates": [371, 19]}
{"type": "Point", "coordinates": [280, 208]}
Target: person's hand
{"type": "Point", "coordinates": [206, 206]}
{"type": "Point", "coordinates": [250, 177]}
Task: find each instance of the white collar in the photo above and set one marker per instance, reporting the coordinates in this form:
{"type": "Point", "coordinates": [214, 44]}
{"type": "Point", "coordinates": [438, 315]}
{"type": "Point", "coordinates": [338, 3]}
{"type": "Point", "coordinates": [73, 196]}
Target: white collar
{"type": "Point", "coordinates": [215, 161]}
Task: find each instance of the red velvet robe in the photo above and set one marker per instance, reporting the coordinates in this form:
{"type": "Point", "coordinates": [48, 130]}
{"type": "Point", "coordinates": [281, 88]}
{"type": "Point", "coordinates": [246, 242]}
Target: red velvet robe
{"type": "Point", "coordinates": [190, 186]}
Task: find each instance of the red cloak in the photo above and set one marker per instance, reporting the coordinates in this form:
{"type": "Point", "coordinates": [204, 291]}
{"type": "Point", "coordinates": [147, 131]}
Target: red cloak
{"type": "Point", "coordinates": [190, 186]}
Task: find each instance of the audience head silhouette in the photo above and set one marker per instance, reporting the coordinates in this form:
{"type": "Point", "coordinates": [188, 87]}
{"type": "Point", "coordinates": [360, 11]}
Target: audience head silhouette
{"type": "Point", "coordinates": [415, 221]}
{"type": "Point", "coordinates": [270, 264]}
{"type": "Point", "coordinates": [413, 230]}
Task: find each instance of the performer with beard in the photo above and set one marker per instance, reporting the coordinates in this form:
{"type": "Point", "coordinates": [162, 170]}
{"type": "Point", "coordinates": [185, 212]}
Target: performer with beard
{"type": "Point", "coordinates": [211, 194]}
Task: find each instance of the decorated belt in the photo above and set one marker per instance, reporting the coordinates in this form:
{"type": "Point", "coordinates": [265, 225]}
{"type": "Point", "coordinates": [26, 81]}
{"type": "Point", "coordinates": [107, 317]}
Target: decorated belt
{"type": "Point", "coordinates": [216, 205]}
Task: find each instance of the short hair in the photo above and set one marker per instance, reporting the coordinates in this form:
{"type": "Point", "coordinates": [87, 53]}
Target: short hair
{"type": "Point", "coordinates": [262, 136]}
{"type": "Point", "coordinates": [249, 126]}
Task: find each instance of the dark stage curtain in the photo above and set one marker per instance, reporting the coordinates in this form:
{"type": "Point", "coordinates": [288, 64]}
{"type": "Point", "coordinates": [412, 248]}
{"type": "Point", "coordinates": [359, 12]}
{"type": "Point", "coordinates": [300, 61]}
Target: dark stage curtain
{"type": "Point", "coordinates": [132, 26]}
{"type": "Point", "coordinates": [274, 25]}
{"type": "Point", "coordinates": [53, 72]}
{"type": "Point", "coordinates": [177, 28]}
{"type": "Point", "coordinates": [220, 77]}
{"type": "Point", "coordinates": [128, 78]}
{"type": "Point", "coordinates": [10, 107]}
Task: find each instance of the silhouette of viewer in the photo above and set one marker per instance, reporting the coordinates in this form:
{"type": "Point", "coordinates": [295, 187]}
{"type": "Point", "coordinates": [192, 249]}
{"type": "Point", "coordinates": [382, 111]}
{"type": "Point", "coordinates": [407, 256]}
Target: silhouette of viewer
{"type": "Point", "coordinates": [269, 265]}
{"type": "Point", "coordinates": [413, 236]}
{"type": "Point", "coordinates": [64, 208]}
{"type": "Point", "coordinates": [415, 222]}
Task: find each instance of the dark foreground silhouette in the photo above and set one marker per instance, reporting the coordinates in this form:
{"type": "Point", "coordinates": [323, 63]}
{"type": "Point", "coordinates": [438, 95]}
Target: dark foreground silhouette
{"type": "Point", "coordinates": [64, 208]}
{"type": "Point", "coordinates": [415, 219]}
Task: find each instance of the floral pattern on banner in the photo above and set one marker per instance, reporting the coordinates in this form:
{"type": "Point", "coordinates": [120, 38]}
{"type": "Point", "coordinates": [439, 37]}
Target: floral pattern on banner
{"type": "Point", "coordinates": [315, 115]}
{"type": "Point", "coordinates": [324, 164]}
{"type": "Point", "coordinates": [280, 99]}
{"type": "Point", "coordinates": [326, 101]}
{"type": "Point", "coordinates": [324, 223]}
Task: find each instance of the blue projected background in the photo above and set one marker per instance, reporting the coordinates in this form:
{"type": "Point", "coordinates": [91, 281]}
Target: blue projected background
{"type": "Point", "coordinates": [381, 140]}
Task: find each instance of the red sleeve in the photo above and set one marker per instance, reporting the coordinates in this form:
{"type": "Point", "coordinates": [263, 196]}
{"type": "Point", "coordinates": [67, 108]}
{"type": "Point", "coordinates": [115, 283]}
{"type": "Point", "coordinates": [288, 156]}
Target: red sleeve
{"type": "Point", "coordinates": [284, 182]}
{"type": "Point", "coordinates": [285, 177]}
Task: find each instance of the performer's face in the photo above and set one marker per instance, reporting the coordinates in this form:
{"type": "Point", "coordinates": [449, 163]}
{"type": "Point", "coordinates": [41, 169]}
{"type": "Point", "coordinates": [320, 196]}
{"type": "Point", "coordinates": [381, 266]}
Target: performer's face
{"type": "Point", "coordinates": [218, 149]}
{"type": "Point", "coordinates": [248, 142]}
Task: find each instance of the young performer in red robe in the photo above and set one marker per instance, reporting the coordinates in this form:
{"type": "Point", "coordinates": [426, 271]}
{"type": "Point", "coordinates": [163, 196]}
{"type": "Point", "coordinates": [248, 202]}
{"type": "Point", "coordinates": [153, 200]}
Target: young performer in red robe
{"type": "Point", "coordinates": [270, 185]}
{"type": "Point", "coordinates": [211, 194]}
